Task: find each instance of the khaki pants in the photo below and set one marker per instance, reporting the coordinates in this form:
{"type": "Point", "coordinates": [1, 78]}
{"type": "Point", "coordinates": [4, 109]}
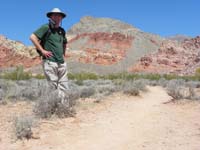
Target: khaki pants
{"type": "Point", "coordinates": [56, 75]}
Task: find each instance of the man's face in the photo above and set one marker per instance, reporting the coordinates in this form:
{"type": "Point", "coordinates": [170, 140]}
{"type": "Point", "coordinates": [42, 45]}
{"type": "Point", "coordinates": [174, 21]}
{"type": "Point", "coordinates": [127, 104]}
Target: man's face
{"type": "Point", "coordinates": [57, 17]}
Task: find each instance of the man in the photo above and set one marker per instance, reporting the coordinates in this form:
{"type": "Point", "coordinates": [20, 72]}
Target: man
{"type": "Point", "coordinates": [50, 42]}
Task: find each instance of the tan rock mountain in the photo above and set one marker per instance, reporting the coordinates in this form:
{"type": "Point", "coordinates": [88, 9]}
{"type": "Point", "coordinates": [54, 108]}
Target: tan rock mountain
{"type": "Point", "coordinates": [105, 45]}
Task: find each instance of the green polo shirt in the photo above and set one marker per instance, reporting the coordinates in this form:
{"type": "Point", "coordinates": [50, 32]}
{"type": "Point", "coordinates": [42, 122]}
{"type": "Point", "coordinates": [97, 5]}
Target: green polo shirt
{"type": "Point", "coordinates": [53, 43]}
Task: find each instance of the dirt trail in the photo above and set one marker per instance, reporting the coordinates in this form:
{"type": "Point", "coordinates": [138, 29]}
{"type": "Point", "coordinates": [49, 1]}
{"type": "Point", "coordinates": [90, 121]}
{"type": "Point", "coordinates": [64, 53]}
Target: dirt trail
{"type": "Point", "coordinates": [121, 123]}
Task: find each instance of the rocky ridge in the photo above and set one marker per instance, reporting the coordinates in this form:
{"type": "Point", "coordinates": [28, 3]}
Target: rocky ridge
{"type": "Point", "coordinates": [105, 45]}
{"type": "Point", "coordinates": [14, 53]}
{"type": "Point", "coordinates": [172, 57]}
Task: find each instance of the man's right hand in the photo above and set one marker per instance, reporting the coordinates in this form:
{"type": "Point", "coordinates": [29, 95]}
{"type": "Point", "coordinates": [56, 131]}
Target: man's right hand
{"type": "Point", "coordinates": [46, 53]}
{"type": "Point", "coordinates": [36, 42]}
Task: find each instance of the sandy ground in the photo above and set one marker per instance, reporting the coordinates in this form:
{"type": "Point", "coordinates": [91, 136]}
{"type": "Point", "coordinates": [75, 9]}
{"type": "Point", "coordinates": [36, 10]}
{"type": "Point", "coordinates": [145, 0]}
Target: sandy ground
{"type": "Point", "coordinates": [119, 122]}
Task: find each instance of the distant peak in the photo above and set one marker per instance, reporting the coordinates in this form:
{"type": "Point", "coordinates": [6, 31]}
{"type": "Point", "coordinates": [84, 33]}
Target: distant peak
{"type": "Point", "coordinates": [178, 37]}
{"type": "Point", "coordinates": [89, 24]}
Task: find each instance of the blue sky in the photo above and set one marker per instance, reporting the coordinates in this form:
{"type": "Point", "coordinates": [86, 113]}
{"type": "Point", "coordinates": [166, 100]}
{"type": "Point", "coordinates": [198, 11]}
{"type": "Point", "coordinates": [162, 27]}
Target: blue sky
{"type": "Point", "coordinates": [19, 18]}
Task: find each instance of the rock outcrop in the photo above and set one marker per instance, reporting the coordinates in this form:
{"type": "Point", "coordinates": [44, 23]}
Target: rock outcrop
{"type": "Point", "coordinates": [172, 57]}
{"type": "Point", "coordinates": [107, 45]}
{"type": "Point", "coordinates": [14, 53]}
{"type": "Point", "coordinates": [100, 48]}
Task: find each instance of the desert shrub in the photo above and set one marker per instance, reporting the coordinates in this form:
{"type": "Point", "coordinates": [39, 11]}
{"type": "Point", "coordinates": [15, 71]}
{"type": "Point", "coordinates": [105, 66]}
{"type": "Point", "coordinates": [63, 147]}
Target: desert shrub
{"type": "Point", "coordinates": [21, 89]}
{"type": "Point", "coordinates": [23, 127]}
{"type": "Point", "coordinates": [73, 92]}
{"type": "Point", "coordinates": [79, 82]}
{"type": "Point", "coordinates": [31, 89]}
{"type": "Point", "coordinates": [50, 103]}
{"type": "Point", "coordinates": [181, 93]}
{"type": "Point", "coordinates": [17, 74]}
{"type": "Point", "coordinates": [173, 88]}
{"type": "Point", "coordinates": [4, 86]}
{"type": "Point", "coordinates": [138, 76]}
{"type": "Point", "coordinates": [94, 88]}
{"type": "Point", "coordinates": [123, 76]}
{"type": "Point", "coordinates": [114, 76]}
{"type": "Point", "coordinates": [190, 78]}
{"type": "Point", "coordinates": [194, 84]}
{"type": "Point", "coordinates": [86, 91]}
{"type": "Point", "coordinates": [180, 89]}
{"type": "Point", "coordinates": [141, 84]}
{"type": "Point", "coordinates": [194, 89]}
{"type": "Point", "coordinates": [132, 76]}
{"type": "Point", "coordinates": [39, 76]}
{"type": "Point", "coordinates": [197, 72]}
{"type": "Point", "coordinates": [27, 89]}
{"type": "Point", "coordinates": [162, 82]}
{"type": "Point", "coordinates": [170, 76]}
{"type": "Point", "coordinates": [3, 92]}
{"type": "Point", "coordinates": [118, 82]}
{"type": "Point", "coordinates": [153, 82]}
{"type": "Point", "coordinates": [106, 90]}
{"type": "Point", "coordinates": [82, 76]}
{"type": "Point", "coordinates": [103, 82]}
{"type": "Point", "coordinates": [10, 89]}
{"type": "Point", "coordinates": [150, 76]}
{"type": "Point", "coordinates": [90, 83]}
{"type": "Point", "coordinates": [133, 88]}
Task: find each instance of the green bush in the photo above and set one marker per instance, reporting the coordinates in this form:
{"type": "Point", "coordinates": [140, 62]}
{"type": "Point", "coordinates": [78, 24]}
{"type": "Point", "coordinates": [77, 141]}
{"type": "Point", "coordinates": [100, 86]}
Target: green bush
{"type": "Point", "coordinates": [113, 76]}
{"type": "Point", "coordinates": [197, 72]}
{"type": "Point", "coordinates": [17, 74]}
{"type": "Point", "coordinates": [20, 74]}
{"type": "Point", "coordinates": [39, 76]}
{"type": "Point", "coordinates": [83, 76]}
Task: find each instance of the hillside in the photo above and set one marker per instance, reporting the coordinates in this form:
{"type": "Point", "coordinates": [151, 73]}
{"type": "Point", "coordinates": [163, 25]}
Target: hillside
{"type": "Point", "coordinates": [172, 57]}
{"type": "Point", "coordinates": [105, 45]}
{"type": "Point", "coordinates": [14, 53]}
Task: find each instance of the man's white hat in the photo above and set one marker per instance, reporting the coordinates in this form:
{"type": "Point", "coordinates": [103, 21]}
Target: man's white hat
{"type": "Point", "coordinates": [57, 11]}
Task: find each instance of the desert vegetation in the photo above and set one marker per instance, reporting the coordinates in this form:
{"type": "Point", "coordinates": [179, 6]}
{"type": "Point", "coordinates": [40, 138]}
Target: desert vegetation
{"type": "Point", "coordinates": [23, 127]}
{"type": "Point", "coordinates": [21, 85]}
